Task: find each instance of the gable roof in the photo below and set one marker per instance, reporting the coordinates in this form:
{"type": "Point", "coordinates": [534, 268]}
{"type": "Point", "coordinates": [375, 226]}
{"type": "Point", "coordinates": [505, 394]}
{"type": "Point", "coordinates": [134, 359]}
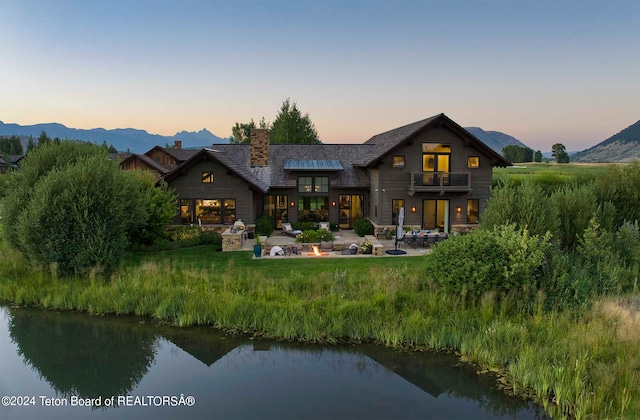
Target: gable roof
{"type": "Point", "coordinates": [14, 158]}
{"type": "Point", "coordinates": [2, 162]}
{"type": "Point", "coordinates": [147, 160]}
{"type": "Point", "coordinates": [226, 159]}
{"type": "Point", "coordinates": [181, 155]}
{"type": "Point", "coordinates": [386, 142]}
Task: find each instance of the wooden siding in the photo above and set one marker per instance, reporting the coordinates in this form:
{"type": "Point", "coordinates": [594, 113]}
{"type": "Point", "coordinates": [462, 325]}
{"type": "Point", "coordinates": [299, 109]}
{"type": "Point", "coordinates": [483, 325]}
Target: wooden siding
{"type": "Point", "coordinates": [136, 163]}
{"type": "Point", "coordinates": [226, 185]}
{"type": "Point", "coordinates": [162, 158]}
{"type": "Point", "coordinates": [392, 182]}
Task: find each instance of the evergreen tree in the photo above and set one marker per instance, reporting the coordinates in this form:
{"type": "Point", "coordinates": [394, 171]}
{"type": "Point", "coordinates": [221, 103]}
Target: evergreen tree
{"type": "Point", "coordinates": [537, 157]}
{"type": "Point", "coordinates": [290, 126]}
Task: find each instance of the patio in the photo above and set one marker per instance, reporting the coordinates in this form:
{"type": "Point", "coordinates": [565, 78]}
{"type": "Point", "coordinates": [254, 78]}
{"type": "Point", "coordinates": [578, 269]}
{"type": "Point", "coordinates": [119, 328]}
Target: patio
{"type": "Point", "coordinates": [343, 239]}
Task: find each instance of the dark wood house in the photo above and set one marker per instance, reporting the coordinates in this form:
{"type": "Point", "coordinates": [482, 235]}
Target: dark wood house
{"type": "Point", "coordinates": [436, 170]}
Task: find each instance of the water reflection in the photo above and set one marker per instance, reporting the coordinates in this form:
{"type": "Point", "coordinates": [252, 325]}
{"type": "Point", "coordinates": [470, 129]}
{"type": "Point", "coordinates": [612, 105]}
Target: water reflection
{"type": "Point", "coordinates": [234, 377]}
{"type": "Point", "coordinates": [83, 356]}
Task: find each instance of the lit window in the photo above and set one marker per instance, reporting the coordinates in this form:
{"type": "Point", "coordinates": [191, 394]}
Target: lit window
{"type": "Point", "coordinates": [309, 184]}
{"type": "Point", "coordinates": [473, 210]}
{"type": "Point", "coordinates": [473, 162]}
{"type": "Point", "coordinates": [398, 161]}
{"type": "Point", "coordinates": [207, 177]}
{"type": "Point", "coordinates": [321, 184]}
{"type": "Point", "coordinates": [305, 184]}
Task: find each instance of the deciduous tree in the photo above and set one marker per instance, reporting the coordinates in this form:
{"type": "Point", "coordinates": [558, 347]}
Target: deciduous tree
{"type": "Point", "coordinates": [559, 151]}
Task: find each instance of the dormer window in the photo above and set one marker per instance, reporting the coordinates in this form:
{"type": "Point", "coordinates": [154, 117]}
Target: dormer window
{"type": "Point", "coordinates": [398, 161]}
{"type": "Point", "coordinates": [473, 162]}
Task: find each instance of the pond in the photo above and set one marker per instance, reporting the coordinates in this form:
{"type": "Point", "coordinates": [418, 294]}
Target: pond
{"type": "Point", "coordinates": [74, 366]}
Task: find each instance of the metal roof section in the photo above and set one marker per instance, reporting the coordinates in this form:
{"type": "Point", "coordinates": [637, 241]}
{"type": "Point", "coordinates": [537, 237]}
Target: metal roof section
{"type": "Point", "coordinates": [312, 165]}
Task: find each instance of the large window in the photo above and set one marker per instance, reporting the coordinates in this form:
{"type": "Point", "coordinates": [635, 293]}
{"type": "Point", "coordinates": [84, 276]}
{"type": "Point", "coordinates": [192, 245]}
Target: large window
{"type": "Point", "coordinates": [351, 208]}
{"type": "Point", "coordinates": [313, 209]}
{"type": "Point", "coordinates": [398, 161]}
{"type": "Point", "coordinates": [311, 184]}
{"type": "Point", "coordinates": [473, 210]}
{"type": "Point", "coordinates": [215, 211]}
{"type": "Point", "coordinates": [435, 158]}
{"type": "Point", "coordinates": [276, 207]}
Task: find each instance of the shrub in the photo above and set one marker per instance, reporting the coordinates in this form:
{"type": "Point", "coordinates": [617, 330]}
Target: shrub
{"type": "Point", "coordinates": [78, 217]}
{"type": "Point", "coordinates": [619, 185]}
{"type": "Point", "coordinates": [308, 236]}
{"type": "Point", "coordinates": [184, 232]}
{"type": "Point", "coordinates": [37, 164]}
{"type": "Point", "coordinates": [265, 224]}
{"type": "Point", "coordinates": [325, 236]}
{"type": "Point", "coordinates": [161, 206]}
{"type": "Point", "coordinates": [504, 260]}
{"type": "Point", "coordinates": [305, 226]}
{"type": "Point", "coordinates": [574, 208]}
{"type": "Point", "coordinates": [526, 205]}
{"type": "Point", "coordinates": [363, 227]}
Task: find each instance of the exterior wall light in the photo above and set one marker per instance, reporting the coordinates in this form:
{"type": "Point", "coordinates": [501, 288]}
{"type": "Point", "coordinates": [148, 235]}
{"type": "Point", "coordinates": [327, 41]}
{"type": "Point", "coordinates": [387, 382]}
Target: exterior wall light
{"type": "Point", "coordinates": [333, 204]}
{"type": "Point", "coordinates": [292, 204]}
{"type": "Point", "coordinates": [458, 209]}
{"type": "Point", "coordinates": [413, 209]}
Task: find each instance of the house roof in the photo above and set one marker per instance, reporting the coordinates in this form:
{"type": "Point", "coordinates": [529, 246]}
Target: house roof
{"type": "Point", "coordinates": [386, 142]}
{"type": "Point", "coordinates": [181, 155]}
{"type": "Point", "coordinates": [2, 162]}
{"type": "Point", "coordinates": [276, 176]}
{"type": "Point", "coordinates": [147, 160]}
{"type": "Point", "coordinates": [14, 158]}
{"type": "Point", "coordinates": [225, 158]}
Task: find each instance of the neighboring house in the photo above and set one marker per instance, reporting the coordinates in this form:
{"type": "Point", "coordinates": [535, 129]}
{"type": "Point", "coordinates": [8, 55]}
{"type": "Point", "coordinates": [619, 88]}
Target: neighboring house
{"type": "Point", "coordinates": [8, 162]}
{"type": "Point", "coordinates": [440, 173]}
{"type": "Point", "coordinates": [138, 161]}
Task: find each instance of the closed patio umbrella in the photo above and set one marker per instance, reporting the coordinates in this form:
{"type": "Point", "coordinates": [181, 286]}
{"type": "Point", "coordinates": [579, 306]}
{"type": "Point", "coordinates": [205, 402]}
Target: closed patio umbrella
{"type": "Point", "coordinates": [398, 234]}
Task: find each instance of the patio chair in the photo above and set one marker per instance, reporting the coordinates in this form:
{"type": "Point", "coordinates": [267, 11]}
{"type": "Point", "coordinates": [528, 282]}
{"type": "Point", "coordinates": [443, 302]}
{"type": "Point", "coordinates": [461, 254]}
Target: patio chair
{"type": "Point", "coordinates": [296, 249]}
{"type": "Point", "coordinates": [431, 240]}
{"type": "Point", "coordinates": [409, 240]}
{"type": "Point", "coordinates": [326, 246]}
{"type": "Point", "coordinates": [419, 241]}
{"type": "Point", "coordinates": [288, 230]}
{"type": "Point", "coordinates": [324, 225]}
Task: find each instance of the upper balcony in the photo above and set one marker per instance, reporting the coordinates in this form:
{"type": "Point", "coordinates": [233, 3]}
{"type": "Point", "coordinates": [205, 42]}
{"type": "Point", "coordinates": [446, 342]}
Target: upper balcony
{"type": "Point", "coordinates": [439, 182]}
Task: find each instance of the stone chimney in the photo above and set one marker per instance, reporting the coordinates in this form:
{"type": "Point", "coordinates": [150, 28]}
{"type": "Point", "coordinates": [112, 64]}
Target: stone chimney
{"type": "Point", "coordinates": [259, 147]}
{"type": "Point", "coordinates": [177, 144]}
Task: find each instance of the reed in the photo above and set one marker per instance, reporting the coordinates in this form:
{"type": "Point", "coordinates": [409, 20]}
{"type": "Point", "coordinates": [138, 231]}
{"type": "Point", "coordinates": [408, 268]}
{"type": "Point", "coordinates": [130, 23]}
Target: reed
{"type": "Point", "coordinates": [580, 363]}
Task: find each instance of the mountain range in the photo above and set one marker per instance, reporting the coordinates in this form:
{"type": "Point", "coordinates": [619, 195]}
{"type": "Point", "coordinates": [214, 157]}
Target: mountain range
{"type": "Point", "coordinates": [495, 139]}
{"type": "Point", "coordinates": [137, 141]}
{"type": "Point", "coordinates": [621, 147]}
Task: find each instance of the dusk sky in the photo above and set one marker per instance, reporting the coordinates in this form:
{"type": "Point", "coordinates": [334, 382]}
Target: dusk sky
{"type": "Point", "coordinates": [543, 71]}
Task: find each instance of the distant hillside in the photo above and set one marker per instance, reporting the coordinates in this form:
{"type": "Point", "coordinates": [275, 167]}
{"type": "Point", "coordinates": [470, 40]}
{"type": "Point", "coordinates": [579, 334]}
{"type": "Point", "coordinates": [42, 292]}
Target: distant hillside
{"type": "Point", "coordinates": [622, 147]}
{"type": "Point", "coordinates": [138, 141]}
{"type": "Point", "coordinates": [495, 139]}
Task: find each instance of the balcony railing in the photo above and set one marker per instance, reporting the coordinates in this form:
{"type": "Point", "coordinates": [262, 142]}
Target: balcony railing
{"type": "Point", "coordinates": [439, 181]}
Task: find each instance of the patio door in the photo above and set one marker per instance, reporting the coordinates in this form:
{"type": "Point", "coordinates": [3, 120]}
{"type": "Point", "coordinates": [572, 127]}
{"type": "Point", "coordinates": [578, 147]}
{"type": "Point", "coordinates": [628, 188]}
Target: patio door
{"type": "Point", "coordinates": [435, 215]}
{"type": "Point", "coordinates": [350, 209]}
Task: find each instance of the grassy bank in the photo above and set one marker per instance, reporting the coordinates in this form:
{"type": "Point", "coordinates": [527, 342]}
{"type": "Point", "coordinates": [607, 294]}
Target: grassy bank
{"type": "Point", "coordinates": [582, 363]}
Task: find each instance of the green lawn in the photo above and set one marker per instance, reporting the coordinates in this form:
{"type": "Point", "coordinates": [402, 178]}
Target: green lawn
{"type": "Point", "coordinates": [557, 168]}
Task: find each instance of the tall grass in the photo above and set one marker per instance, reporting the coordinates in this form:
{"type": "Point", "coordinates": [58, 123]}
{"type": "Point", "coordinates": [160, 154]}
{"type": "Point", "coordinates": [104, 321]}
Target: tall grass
{"type": "Point", "coordinates": [581, 363]}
